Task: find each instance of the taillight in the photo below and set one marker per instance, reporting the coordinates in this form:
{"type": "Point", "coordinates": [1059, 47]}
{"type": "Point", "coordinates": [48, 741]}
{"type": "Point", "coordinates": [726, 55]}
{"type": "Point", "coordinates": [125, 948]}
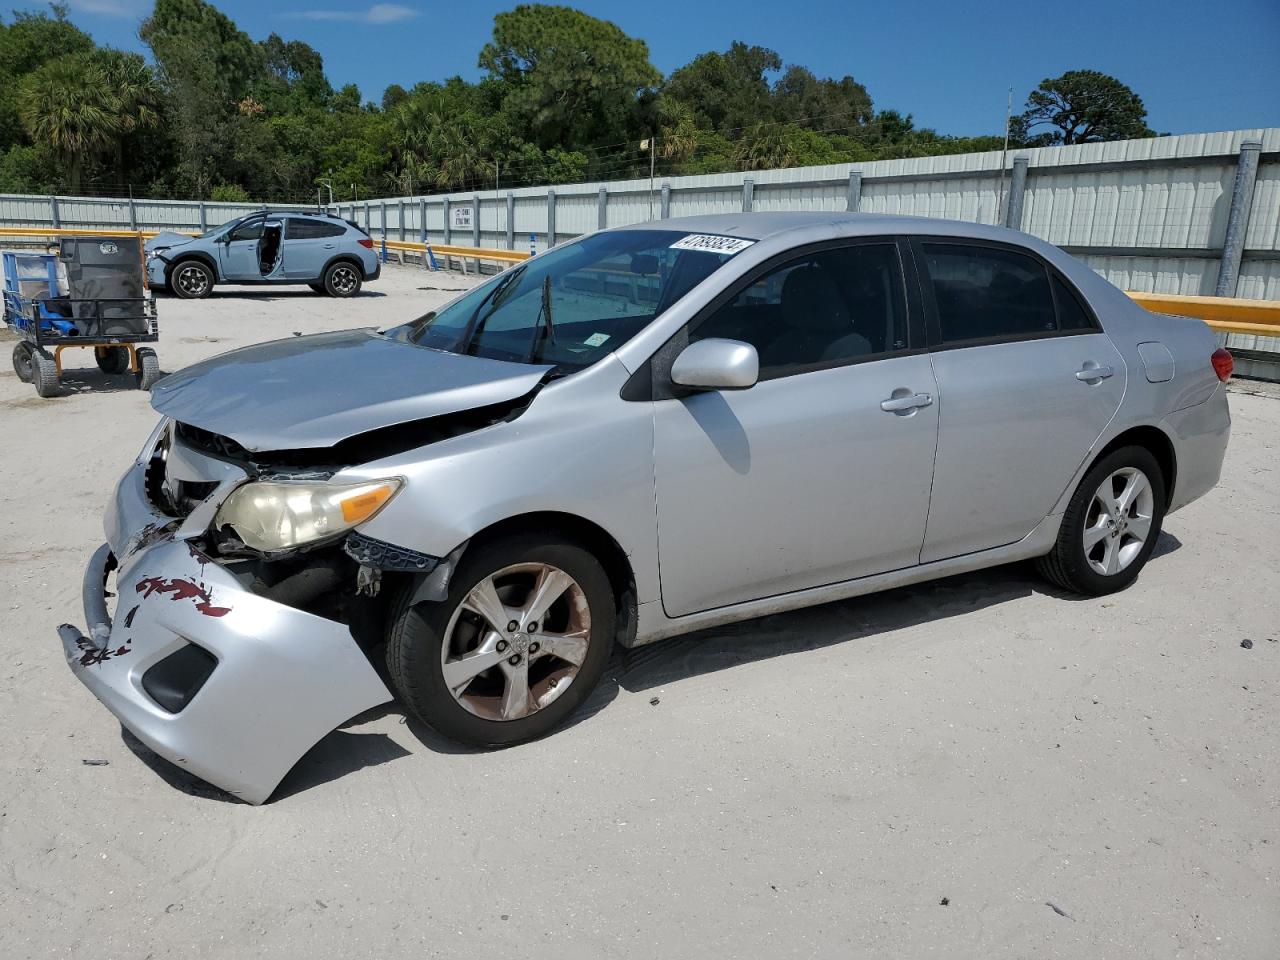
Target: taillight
{"type": "Point", "coordinates": [1223, 363]}
{"type": "Point", "coordinates": [366, 242]}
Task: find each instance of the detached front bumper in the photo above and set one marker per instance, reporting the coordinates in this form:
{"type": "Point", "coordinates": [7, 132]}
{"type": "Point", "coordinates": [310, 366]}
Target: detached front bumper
{"type": "Point", "coordinates": [262, 685]}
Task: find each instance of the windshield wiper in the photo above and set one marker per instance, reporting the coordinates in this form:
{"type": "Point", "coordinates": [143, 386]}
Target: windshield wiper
{"type": "Point", "coordinates": [543, 324]}
{"type": "Point", "coordinates": [475, 326]}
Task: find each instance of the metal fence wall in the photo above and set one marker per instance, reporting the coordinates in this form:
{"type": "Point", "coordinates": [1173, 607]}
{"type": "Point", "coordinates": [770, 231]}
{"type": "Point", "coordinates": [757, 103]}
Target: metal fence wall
{"type": "Point", "coordinates": [1149, 215]}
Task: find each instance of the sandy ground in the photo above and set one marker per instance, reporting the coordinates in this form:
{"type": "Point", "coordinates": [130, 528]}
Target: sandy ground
{"type": "Point", "coordinates": [970, 768]}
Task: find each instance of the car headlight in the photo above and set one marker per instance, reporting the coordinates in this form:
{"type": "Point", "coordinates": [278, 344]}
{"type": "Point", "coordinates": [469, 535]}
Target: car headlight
{"type": "Point", "coordinates": [155, 252]}
{"type": "Point", "coordinates": [270, 515]}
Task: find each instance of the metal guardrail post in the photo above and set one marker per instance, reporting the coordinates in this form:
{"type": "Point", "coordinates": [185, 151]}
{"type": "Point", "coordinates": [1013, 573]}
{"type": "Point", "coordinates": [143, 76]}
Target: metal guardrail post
{"type": "Point", "coordinates": [551, 219]}
{"type": "Point", "coordinates": [748, 194]}
{"type": "Point", "coordinates": [855, 191]}
{"type": "Point", "coordinates": [204, 218]}
{"type": "Point", "coordinates": [368, 218]}
{"type": "Point", "coordinates": [53, 213]}
{"type": "Point", "coordinates": [602, 208]}
{"type": "Point", "coordinates": [400, 213]}
{"type": "Point", "coordinates": [511, 220]}
{"type": "Point", "coordinates": [133, 215]}
{"type": "Point", "coordinates": [448, 227]}
{"type": "Point", "coordinates": [665, 203]}
{"type": "Point", "coordinates": [1238, 219]}
{"type": "Point", "coordinates": [422, 218]}
{"type": "Point", "coordinates": [1017, 190]}
{"type": "Point", "coordinates": [475, 224]}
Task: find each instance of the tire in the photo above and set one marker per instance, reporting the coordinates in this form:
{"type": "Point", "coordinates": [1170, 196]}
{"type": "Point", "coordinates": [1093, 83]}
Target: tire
{"type": "Point", "coordinates": [318, 288]}
{"type": "Point", "coordinates": [190, 280]}
{"type": "Point", "coordinates": [45, 374]}
{"type": "Point", "coordinates": [342, 279]}
{"type": "Point", "coordinates": [1095, 554]}
{"type": "Point", "coordinates": [112, 360]}
{"type": "Point", "coordinates": [148, 368]}
{"type": "Point", "coordinates": [554, 688]}
{"type": "Point", "coordinates": [22, 364]}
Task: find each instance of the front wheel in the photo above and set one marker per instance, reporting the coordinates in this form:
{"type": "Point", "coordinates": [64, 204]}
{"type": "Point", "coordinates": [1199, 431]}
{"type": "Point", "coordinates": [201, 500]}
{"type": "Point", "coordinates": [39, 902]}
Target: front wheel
{"type": "Point", "coordinates": [518, 644]}
{"type": "Point", "coordinates": [148, 368]}
{"type": "Point", "coordinates": [112, 360]}
{"type": "Point", "coordinates": [191, 280]}
{"type": "Point", "coordinates": [1110, 526]}
{"type": "Point", "coordinates": [342, 279]}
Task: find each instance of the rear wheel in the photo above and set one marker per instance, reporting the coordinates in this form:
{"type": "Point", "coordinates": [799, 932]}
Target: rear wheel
{"type": "Point", "coordinates": [342, 279]}
{"type": "Point", "coordinates": [518, 644]}
{"type": "Point", "coordinates": [22, 364]}
{"type": "Point", "coordinates": [191, 280]}
{"type": "Point", "coordinates": [45, 374]}
{"type": "Point", "coordinates": [112, 360]}
{"type": "Point", "coordinates": [1110, 526]}
{"type": "Point", "coordinates": [148, 368]}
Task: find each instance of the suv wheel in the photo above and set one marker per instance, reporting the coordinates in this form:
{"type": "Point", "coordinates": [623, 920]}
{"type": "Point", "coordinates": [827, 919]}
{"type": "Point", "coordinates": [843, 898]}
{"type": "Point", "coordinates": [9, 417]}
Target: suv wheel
{"type": "Point", "coordinates": [191, 280]}
{"type": "Point", "coordinates": [1110, 526]}
{"type": "Point", "coordinates": [342, 279]}
{"type": "Point", "coordinates": [518, 644]}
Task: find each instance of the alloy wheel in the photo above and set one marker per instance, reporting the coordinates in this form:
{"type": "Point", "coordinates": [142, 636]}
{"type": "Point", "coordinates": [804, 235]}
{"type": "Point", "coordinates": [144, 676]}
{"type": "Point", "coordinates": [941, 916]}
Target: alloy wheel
{"type": "Point", "coordinates": [1118, 521]}
{"type": "Point", "coordinates": [343, 280]}
{"type": "Point", "coordinates": [516, 641]}
{"type": "Point", "coordinates": [192, 280]}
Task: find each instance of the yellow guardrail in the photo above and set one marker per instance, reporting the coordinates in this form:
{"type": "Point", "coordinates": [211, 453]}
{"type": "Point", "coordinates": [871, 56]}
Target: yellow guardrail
{"type": "Point", "coordinates": [448, 250]}
{"type": "Point", "coordinates": [1225, 314]}
{"type": "Point", "coordinates": [83, 232]}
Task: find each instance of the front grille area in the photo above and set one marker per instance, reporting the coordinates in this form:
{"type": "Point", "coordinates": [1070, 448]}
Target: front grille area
{"type": "Point", "coordinates": [213, 444]}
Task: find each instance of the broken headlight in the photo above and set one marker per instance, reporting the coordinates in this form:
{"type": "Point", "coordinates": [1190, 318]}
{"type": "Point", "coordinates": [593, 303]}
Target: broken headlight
{"type": "Point", "coordinates": [271, 515]}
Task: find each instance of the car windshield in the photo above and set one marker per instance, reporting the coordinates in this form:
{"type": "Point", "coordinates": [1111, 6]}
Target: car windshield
{"type": "Point", "coordinates": [576, 303]}
{"type": "Point", "coordinates": [214, 231]}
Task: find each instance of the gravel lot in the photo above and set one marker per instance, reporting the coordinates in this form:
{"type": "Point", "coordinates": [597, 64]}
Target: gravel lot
{"type": "Point", "coordinates": [970, 768]}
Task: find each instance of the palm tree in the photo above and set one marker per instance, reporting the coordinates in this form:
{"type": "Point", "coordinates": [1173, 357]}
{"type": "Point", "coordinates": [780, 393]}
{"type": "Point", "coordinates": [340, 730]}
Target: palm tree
{"type": "Point", "coordinates": [68, 105]}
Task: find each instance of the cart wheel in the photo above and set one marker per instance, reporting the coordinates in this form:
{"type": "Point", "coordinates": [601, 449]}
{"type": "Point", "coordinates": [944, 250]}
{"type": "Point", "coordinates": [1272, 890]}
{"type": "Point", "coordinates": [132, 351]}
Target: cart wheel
{"type": "Point", "coordinates": [149, 365]}
{"type": "Point", "coordinates": [112, 359]}
{"type": "Point", "coordinates": [22, 361]}
{"type": "Point", "coordinates": [45, 374]}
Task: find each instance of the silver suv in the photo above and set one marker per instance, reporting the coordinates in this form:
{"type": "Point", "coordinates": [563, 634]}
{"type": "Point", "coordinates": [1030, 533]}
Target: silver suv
{"type": "Point", "coordinates": [651, 430]}
{"type": "Point", "coordinates": [327, 253]}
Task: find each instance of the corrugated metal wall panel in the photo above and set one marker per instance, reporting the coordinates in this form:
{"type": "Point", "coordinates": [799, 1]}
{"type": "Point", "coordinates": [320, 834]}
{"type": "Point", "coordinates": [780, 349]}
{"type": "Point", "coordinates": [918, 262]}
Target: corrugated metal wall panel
{"type": "Point", "coordinates": [1264, 218]}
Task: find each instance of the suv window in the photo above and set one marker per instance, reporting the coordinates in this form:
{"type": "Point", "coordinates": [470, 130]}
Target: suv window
{"type": "Point", "coordinates": [819, 309]}
{"type": "Point", "coordinates": [250, 230]}
{"type": "Point", "coordinates": [986, 293]}
{"type": "Point", "coordinates": [300, 229]}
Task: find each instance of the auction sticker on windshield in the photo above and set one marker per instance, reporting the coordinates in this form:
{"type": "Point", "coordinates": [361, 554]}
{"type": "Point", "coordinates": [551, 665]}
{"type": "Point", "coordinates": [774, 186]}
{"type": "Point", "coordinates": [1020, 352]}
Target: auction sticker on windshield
{"type": "Point", "coordinates": [710, 243]}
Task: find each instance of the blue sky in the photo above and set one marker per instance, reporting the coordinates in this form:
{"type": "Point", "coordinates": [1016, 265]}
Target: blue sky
{"type": "Point", "coordinates": [1199, 66]}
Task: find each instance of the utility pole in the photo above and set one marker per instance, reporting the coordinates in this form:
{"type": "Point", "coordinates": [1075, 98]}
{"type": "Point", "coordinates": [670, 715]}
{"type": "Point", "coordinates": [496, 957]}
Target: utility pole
{"type": "Point", "coordinates": [1008, 115]}
{"type": "Point", "coordinates": [651, 144]}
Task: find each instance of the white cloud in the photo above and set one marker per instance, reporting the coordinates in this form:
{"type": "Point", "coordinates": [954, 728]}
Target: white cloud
{"type": "Point", "coordinates": [379, 13]}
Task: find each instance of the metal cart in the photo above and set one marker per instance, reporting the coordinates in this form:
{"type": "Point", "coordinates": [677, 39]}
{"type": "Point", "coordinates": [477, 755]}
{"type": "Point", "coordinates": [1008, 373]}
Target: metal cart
{"type": "Point", "coordinates": [92, 293]}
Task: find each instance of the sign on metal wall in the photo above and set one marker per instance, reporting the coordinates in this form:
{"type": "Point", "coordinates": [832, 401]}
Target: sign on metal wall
{"type": "Point", "coordinates": [460, 215]}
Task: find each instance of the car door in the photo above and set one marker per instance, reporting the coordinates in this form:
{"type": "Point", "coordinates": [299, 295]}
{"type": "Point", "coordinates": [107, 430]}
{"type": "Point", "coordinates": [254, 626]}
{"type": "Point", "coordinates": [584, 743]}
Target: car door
{"type": "Point", "coordinates": [308, 245]}
{"type": "Point", "coordinates": [238, 251]}
{"type": "Point", "coordinates": [1027, 381]}
{"type": "Point", "coordinates": [821, 471]}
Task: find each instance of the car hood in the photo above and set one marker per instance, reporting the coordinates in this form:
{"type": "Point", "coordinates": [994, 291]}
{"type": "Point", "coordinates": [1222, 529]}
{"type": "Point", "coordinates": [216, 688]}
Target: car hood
{"type": "Point", "coordinates": [310, 392]}
{"type": "Point", "coordinates": [162, 241]}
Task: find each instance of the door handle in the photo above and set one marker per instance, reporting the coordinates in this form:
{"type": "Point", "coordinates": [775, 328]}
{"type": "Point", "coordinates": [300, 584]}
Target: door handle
{"type": "Point", "coordinates": [330, 246]}
{"type": "Point", "coordinates": [1087, 373]}
{"type": "Point", "coordinates": [912, 402]}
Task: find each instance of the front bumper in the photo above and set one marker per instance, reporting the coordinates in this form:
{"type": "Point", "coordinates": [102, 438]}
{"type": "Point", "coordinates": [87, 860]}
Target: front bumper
{"type": "Point", "coordinates": [155, 272]}
{"type": "Point", "coordinates": [283, 678]}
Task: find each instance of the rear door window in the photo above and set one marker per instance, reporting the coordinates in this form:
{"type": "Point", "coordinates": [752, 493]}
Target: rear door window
{"type": "Point", "coordinates": [989, 293]}
{"type": "Point", "coordinates": [303, 229]}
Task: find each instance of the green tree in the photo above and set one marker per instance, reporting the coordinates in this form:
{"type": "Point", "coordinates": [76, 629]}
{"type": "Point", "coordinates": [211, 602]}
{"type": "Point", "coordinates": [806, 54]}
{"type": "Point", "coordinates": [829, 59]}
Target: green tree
{"type": "Point", "coordinates": [569, 80]}
{"type": "Point", "coordinates": [1083, 106]}
{"type": "Point", "coordinates": [729, 92]}
{"type": "Point", "coordinates": [68, 105]}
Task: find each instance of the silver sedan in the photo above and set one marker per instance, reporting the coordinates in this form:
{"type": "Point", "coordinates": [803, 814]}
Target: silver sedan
{"type": "Point", "coordinates": [650, 430]}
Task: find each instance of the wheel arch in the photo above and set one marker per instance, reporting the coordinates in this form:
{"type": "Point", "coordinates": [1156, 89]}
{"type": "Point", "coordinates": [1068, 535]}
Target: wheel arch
{"type": "Point", "coordinates": [1157, 442]}
{"type": "Point", "coordinates": [181, 258]}
{"type": "Point", "coordinates": [350, 258]}
{"type": "Point", "coordinates": [590, 535]}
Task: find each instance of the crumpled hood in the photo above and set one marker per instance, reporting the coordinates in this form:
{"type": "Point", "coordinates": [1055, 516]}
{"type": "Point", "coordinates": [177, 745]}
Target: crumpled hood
{"type": "Point", "coordinates": [168, 239]}
{"type": "Point", "coordinates": [315, 391]}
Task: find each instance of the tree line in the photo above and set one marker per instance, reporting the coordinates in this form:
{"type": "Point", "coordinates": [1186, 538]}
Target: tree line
{"type": "Point", "coordinates": [564, 97]}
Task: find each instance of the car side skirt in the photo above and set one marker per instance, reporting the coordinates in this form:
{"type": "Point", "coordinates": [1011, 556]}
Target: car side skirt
{"type": "Point", "coordinates": [654, 624]}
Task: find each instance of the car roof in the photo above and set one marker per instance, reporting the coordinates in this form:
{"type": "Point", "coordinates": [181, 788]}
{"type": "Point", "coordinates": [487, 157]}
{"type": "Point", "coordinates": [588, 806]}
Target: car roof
{"type": "Point", "coordinates": [760, 226]}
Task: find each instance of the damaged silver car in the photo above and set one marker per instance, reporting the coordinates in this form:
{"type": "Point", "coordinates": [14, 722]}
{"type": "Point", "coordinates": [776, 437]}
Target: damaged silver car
{"type": "Point", "coordinates": [650, 430]}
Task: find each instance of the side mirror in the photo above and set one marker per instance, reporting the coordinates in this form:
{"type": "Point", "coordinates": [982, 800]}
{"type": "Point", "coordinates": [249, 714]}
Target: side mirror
{"type": "Point", "coordinates": [717, 364]}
